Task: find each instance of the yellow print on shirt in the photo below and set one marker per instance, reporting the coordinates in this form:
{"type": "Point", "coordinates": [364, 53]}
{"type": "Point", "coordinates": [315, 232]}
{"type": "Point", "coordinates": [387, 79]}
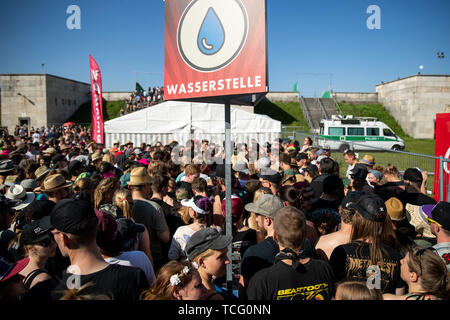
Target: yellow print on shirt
{"type": "Point", "coordinates": [313, 292]}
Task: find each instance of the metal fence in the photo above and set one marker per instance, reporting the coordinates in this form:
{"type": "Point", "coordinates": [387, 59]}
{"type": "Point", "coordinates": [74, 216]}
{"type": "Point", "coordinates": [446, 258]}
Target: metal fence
{"type": "Point", "coordinates": [383, 157]}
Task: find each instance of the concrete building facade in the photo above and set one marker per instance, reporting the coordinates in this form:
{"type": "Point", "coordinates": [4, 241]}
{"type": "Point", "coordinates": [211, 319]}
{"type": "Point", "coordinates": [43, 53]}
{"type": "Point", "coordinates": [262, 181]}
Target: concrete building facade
{"type": "Point", "coordinates": [39, 99]}
{"type": "Point", "coordinates": [414, 102]}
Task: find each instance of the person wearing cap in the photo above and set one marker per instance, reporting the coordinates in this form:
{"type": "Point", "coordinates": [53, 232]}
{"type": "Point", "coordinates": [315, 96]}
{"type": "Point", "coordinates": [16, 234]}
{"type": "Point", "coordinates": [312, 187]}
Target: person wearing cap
{"type": "Point", "coordinates": [302, 162]}
{"type": "Point", "coordinates": [18, 194]}
{"type": "Point", "coordinates": [438, 216]}
{"type": "Point", "coordinates": [415, 192]}
{"type": "Point", "coordinates": [425, 274]}
{"type": "Point", "coordinates": [358, 179]}
{"type": "Point", "coordinates": [75, 230]}
{"type": "Point", "coordinates": [373, 243]}
{"type": "Point", "coordinates": [56, 187]}
{"type": "Point", "coordinates": [116, 146]}
{"type": "Point", "coordinates": [38, 245]}
{"type": "Point", "coordinates": [111, 240]}
{"type": "Point", "coordinates": [397, 215]}
{"type": "Point", "coordinates": [200, 211]}
{"type": "Point", "coordinates": [208, 249]}
{"type": "Point", "coordinates": [374, 178]}
{"type": "Point", "coordinates": [292, 270]}
{"type": "Point", "coordinates": [263, 254]}
{"type": "Point", "coordinates": [11, 284]}
{"type": "Point", "coordinates": [326, 168]}
{"type": "Point", "coordinates": [327, 243]}
{"type": "Point", "coordinates": [145, 212]}
{"type": "Point", "coordinates": [368, 160]}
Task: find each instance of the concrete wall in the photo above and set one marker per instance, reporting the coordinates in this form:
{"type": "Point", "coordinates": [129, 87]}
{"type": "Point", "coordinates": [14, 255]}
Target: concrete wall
{"type": "Point", "coordinates": [116, 96]}
{"type": "Point", "coordinates": [282, 96]}
{"type": "Point", "coordinates": [40, 98]}
{"type": "Point", "coordinates": [64, 96]}
{"type": "Point", "coordinates": [414, 102]}
{"type": "Point", "coordinates": [356, 97]}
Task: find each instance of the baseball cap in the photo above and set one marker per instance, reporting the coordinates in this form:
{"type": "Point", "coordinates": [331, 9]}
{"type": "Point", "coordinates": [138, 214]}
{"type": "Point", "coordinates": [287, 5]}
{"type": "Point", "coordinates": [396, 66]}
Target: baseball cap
{"type": "Point", "coordinates": [359, 172]}
{"type": "Point", "coordinates": [199, 204]}
{"type": "Point", "coordinates": [439, 213]}
{"type": "Point", "coordinates": [370, 207]}
{"type": "Point", "coordinates": [204, 239]}
{"type": "Point", "coordinates": [266, 205]}
{"type": "Point", "coordinates": [36, 231]}
{"type": "Point", "coordinates": [271, 176]}
{"type": "Point", "coordinates": [351, 197]}
{"type": "Point", "coordinates": [128, 229]}
{"type": "Point", "coordinates": [237, 206]}
{"type": "Point", "coordinates": [9, 270]}
{"type": "Point", "coordinates": [108, 237]}
{"type": "Point", "coordinates": [73, 216]}
{"type": "Point", "coordinates": [413, 174]}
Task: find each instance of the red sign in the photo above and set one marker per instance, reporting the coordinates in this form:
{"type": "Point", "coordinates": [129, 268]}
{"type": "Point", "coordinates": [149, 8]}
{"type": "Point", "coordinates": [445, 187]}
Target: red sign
{"type": "Point", "coordinates": [214, 48]}
{"type": "Point", "coordinates": [97, 102]}
{"type": "Point", "coordinates": [442, 148]}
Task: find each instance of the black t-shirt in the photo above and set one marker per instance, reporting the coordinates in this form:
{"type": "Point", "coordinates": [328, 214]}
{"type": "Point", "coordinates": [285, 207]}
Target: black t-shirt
{"type": "Point", "coordinates": [310, 281]}
{"type": "Point", "coordinates": [390, 189]}
{"type": "Point", "coordinates": [116, 281]}
{"type": "Point", "coordinates": [351, 262]}
{"type": "Point", "coordinates": [241, 242]}
{"type": "Point", "coordinates": [416, 199]}
{"type": "Point", "coordinates": [259, 256]}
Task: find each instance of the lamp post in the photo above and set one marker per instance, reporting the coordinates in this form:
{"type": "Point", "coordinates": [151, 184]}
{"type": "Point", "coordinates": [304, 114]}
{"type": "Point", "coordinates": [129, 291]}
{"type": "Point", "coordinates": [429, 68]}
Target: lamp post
{"type": "Point", "coordinates": [441, 57]}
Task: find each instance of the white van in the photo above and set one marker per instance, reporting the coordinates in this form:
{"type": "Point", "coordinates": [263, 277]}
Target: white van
{"type": "Point", "coordinates": [364, 132]}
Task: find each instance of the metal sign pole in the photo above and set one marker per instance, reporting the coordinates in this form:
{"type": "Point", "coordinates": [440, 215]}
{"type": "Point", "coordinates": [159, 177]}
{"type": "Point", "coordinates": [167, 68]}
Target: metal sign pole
{"type": "Point", "coordinates": [228, 221]}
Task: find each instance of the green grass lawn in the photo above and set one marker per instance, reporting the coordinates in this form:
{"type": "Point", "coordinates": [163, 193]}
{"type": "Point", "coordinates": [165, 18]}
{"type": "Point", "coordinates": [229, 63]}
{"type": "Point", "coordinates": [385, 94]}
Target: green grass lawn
{"type": "Point", "coordinates": [289, 113]}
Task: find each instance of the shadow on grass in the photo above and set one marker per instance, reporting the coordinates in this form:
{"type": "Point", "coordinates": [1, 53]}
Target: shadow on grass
{"type": "Point", "coordinates": [274, 111]}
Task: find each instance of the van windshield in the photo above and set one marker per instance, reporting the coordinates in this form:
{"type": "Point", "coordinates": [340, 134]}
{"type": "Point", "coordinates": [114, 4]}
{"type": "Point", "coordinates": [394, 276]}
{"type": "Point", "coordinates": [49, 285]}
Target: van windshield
{"type": "Point", "coordinates": [388, 132]}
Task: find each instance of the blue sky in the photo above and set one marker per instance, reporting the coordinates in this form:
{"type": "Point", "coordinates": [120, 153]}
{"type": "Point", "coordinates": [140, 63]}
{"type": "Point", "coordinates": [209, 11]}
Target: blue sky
{"type": "Point", "coordinates": [305, 39]}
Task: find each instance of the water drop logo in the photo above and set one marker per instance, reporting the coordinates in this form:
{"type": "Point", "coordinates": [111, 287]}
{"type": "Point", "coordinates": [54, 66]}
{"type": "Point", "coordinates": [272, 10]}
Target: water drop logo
{"type": "Point", "coordinates": [212, 33]}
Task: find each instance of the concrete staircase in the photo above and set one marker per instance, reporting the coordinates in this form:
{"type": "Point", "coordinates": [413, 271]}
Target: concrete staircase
{"type": "Point", "coordinates": [316, 109]}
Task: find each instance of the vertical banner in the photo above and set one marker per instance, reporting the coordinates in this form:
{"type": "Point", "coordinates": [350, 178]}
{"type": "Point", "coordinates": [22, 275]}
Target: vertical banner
{"type": "Point", "coordinates": [97, 102]}
{"type": "Point", "coordinates": [442, 148]}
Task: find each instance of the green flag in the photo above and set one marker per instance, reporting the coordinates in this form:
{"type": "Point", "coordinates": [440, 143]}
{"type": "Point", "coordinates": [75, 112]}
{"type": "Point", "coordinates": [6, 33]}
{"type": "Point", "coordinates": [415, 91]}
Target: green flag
{"type": "Point", "coordinates": [139, 89]}
{"type": "Point", "coordinates": [296, 87]}
{"type": "Point", "coordinates": [326, 94]}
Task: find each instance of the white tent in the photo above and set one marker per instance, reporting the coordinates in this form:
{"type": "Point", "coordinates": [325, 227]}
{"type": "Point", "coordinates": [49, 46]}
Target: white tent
{"type": "Point", "coordinates": [182, 121]}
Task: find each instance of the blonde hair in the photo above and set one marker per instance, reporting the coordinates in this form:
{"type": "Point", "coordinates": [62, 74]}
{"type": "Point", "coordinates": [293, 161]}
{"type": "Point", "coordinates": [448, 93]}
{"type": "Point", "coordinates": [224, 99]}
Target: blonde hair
{"type": "Point", "coordinates": [252, 219]}
{"type": "Point", "coordinates": [122, 199]}
{"type": "Point", "coordinates": [356, 290]}
{"type": "Point", "coordinates": [104, 191]}
{"type": "Point", "coordinates": [108, 158]}
{"type": "Point", "coordinates": [163, 290]}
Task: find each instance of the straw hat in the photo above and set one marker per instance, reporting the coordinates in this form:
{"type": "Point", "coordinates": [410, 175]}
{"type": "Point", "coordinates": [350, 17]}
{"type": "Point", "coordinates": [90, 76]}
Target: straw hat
{"type": "Point", "coordinates": [50, 151]}
{"type": "Point", "coordinates": [417, 218]}
{"type": "Point", "coordinates": [395, 209]}
{"type": "Point", "coordinates": [138, 177]}
{"type": "Point", "coordinates": [368, 160]}
{"type": "Point", "coordinates": [11, 180]}
{"type": "Point", "coordinates": [96, 156]}
{"type": "Point", "coordinates": [17, 193]}
{"type": "Point", "coordinates": [41, 172]}
{"type": "Point", "coordinates": [54, 182]}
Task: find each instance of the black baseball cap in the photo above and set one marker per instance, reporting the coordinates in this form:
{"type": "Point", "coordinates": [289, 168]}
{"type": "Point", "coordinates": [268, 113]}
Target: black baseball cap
{"type": "Point", "coordinates": [441, 214]}
{"type": "Point", "coordinates": [204, 239]}
{"type": "Point", "coordinates": [73, 216]}
{"type": "Point", "coordinates": [413, 174]}
{"type": "Point", "coordinates": [351, 197]}
{"type": "Point", "coordinates": [359, 172]}
{"type": "Point", "coordinates": [129, 230]}
{"type": "Point", "coordinates": [36, 231]}
{"type": "Point", "coordinates": [371, 207]}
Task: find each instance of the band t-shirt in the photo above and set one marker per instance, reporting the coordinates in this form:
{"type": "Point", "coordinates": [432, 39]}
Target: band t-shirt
{"type": "Point", "coordinates": [310, 281]}
{"type": "Point", "coordinates": [116, 281]}
{"type": "Point", "coordinates": [352, 262]}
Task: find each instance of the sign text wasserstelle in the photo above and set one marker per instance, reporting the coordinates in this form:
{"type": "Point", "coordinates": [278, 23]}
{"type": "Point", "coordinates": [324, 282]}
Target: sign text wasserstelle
{"type": "Point", "coordinates": [214, 48]}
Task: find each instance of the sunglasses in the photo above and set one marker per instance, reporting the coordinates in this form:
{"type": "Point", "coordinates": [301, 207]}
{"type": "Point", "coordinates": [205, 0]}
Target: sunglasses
{"type": "Point", "coordinates": [45, 242]}
{"type": "Point", "coordinates": [430, 221]}
{"type": "Point", "coordinates": [419, 256]}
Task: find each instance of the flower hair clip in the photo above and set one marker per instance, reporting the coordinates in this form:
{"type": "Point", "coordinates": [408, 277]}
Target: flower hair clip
{"type": "Point", "coordinates": [176, 278]}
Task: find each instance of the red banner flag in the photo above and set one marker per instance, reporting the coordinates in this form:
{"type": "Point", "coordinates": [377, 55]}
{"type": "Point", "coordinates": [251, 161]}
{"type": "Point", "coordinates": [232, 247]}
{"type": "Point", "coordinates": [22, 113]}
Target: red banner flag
{"type": "Point", "coordinates": [97, 102]}
{"type": "Point", "coordinates": [442, 148]}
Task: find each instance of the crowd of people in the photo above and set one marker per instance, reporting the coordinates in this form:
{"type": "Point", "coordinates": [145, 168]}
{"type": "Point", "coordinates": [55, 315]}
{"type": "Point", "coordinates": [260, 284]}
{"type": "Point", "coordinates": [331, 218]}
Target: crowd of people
{"type": "Point", "coordinates": [141, 100]}
{"type": "Point", "coordinates": [79, 221]}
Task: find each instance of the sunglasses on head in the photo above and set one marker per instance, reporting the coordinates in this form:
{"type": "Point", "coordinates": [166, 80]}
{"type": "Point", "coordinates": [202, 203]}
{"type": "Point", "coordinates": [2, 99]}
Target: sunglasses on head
{"type": "Point", "coordinates": [430, 221]}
